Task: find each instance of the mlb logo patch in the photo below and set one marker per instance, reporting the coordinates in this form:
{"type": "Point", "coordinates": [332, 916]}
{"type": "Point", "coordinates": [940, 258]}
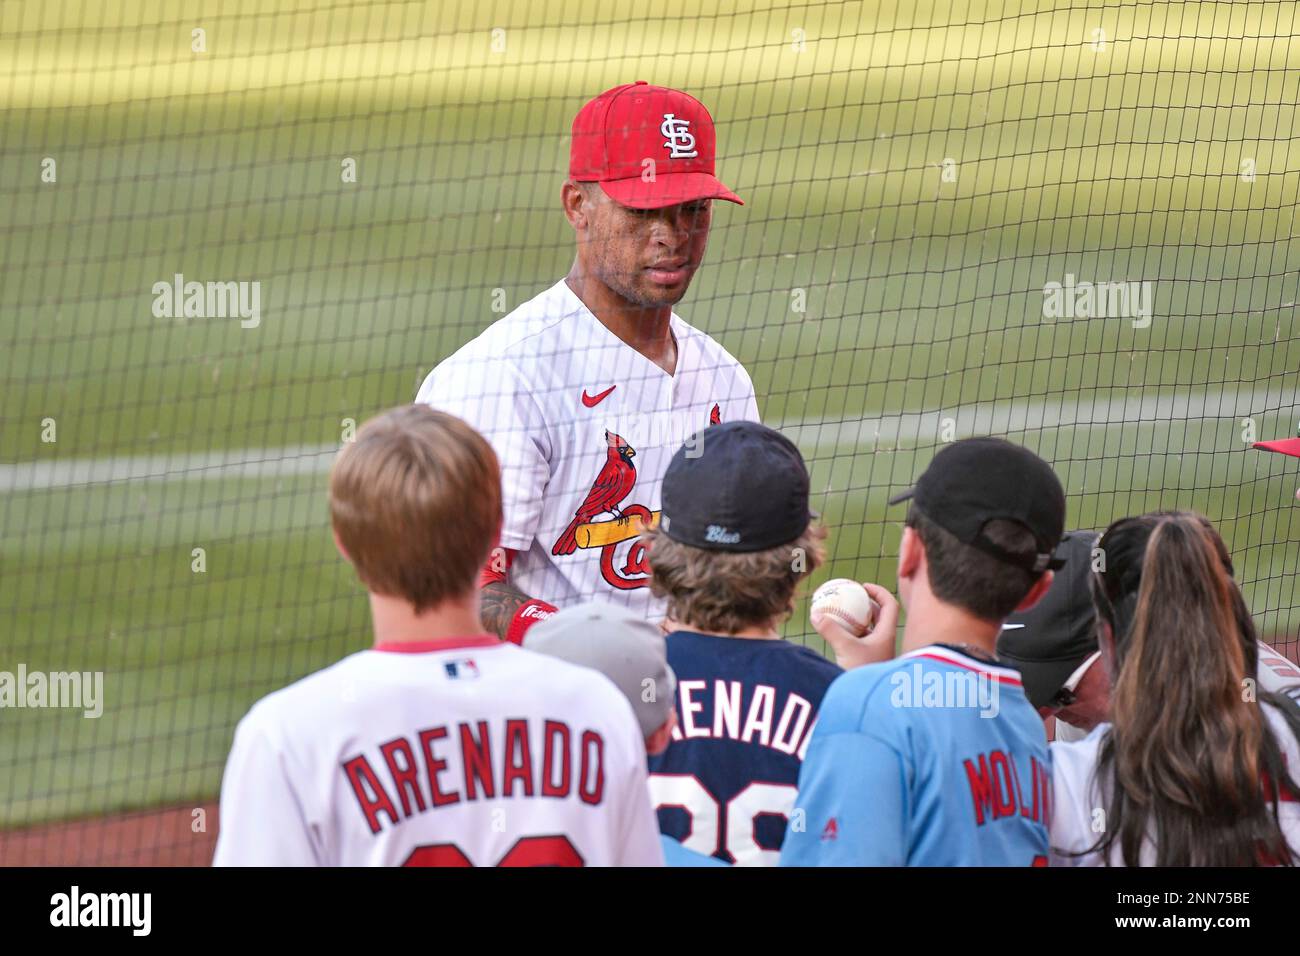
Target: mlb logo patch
{"type": "Point", "coordinates": [463, 668]}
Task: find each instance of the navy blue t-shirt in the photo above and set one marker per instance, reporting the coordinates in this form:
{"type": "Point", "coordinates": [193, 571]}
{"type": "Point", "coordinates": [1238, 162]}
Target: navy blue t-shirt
{"type": "Point", "coordinates": [745, 710]}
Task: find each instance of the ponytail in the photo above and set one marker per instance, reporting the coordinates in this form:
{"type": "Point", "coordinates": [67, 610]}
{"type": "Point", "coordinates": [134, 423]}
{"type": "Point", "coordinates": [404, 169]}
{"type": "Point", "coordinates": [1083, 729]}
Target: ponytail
{"type": "Point", "coordinates": [1189, 759]}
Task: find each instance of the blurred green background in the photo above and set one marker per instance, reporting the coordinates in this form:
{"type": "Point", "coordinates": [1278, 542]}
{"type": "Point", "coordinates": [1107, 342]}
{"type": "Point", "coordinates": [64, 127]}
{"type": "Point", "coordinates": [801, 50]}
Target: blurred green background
{"type": "Point", "coordinates": [1113, 156]}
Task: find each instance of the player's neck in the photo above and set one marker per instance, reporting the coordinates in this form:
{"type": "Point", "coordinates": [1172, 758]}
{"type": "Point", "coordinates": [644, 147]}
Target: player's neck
{"type": "Point", "coordinates": [931, 621]}
{"type": "Point", "coordinates": [396, 622]}
{"type": "Point", "coordinates": [648, 330]}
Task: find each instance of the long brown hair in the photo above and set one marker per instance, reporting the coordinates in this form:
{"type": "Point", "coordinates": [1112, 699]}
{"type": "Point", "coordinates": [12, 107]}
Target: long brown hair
{"type": "Point", "coordinates": [1190, 761]}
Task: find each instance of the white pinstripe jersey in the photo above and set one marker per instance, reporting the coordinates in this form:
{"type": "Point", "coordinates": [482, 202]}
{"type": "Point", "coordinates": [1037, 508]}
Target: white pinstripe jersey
{"type": "Point", "coordinates": [548, 386]}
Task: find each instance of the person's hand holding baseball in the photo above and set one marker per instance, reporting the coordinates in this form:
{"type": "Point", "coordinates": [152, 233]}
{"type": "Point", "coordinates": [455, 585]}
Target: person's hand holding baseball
{"type": "Point", "coordinates": [855, 650]}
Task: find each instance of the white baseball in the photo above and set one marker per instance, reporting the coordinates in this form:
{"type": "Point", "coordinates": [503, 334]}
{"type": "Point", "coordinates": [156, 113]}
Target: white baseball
{"type": "Point", "coordinates": [849, 603]}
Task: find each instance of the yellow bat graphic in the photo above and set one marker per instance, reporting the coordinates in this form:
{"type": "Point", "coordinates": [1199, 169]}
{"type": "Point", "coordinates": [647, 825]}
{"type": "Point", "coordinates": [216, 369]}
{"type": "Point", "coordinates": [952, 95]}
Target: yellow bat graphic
{"type": "Point", "coordinates": [598, 534]}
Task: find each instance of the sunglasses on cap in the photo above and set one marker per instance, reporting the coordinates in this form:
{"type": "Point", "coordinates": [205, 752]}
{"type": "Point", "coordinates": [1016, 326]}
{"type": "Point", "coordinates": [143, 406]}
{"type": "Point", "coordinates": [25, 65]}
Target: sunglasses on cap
{"type": "Point", "coordinates": [1068, 693]}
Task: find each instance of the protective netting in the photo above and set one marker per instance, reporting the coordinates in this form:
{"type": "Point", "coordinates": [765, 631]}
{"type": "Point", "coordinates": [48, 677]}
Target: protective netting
{"type": "Point", "coordinates": [1069, 224]}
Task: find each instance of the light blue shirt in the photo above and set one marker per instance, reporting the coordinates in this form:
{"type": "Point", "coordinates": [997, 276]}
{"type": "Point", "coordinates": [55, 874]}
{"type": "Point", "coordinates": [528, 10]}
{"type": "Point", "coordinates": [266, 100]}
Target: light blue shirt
{"type": "Point", "coordinates": [936, 758]}
{"type": "Point", "coordinates": [677, 855]}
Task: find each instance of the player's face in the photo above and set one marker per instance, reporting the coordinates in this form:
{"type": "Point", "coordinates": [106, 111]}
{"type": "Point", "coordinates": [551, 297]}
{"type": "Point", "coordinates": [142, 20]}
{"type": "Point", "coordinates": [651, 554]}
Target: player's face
{"type": "Point", "coordinates": [647, 256]}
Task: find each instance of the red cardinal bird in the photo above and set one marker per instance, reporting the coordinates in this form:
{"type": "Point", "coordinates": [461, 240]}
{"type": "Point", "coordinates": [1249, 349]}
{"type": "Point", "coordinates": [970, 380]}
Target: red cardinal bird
{"type": "Point", "coordinates": [715, 416]}
{"type": "Point", "coordinates": [612, 486]}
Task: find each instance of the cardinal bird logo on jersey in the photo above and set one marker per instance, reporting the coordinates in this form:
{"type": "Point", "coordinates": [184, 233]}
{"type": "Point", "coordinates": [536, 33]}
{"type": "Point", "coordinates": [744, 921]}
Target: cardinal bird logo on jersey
{"type": "Point", "coordinates": [589, 529]}
{"type": "Point", "coordinates": [611, 486]}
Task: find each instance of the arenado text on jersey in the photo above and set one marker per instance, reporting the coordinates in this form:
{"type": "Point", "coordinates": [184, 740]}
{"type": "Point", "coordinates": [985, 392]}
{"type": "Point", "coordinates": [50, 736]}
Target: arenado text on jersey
{"type": "Point", "coordinates": [440, 766]}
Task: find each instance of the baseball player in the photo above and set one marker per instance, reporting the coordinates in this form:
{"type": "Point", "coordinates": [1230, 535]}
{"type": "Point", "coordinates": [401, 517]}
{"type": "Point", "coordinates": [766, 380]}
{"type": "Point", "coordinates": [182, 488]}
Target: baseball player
{"type": "Point", "coordinates": [1291, 447]}
{"type": "Point", "coordinates": [937, 758]}
{"type": "Point", "coordinates": [586, 390]}
{"type": "Point", "coordinates": [440, 745]}
{"type": "Point", "coordinates": [1282, 446]}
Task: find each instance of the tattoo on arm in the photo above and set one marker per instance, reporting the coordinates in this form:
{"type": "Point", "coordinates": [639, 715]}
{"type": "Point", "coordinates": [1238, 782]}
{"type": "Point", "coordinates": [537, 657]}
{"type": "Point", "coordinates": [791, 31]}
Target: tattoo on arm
{"type": "Point", "coordinates": [498, 603]}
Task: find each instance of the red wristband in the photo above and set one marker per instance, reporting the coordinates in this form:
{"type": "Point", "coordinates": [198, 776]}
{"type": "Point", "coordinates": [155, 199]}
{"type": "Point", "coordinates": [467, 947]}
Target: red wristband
{"type": "Point", "coordinates": [528, 615]}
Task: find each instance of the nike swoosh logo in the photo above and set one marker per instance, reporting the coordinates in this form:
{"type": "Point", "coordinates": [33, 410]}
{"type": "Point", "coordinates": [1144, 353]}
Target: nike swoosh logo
{"type": "Point", "coordinates": [1011, 627]}
{"type": "Point", "coordinates": [591, 401]}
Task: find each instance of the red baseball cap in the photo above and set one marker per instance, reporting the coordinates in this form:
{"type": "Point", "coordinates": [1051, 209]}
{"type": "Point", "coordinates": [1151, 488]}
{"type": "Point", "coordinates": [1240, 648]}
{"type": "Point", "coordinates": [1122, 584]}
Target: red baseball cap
{"type": "Point", "coordinates": [1286, 446]}
{"type": "Point", "coordinates": [647, 146]}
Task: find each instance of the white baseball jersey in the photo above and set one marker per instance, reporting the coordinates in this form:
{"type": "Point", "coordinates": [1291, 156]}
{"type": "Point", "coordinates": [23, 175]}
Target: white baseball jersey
{"type": "Point", "coordinates": [1076, 798]}
{"type": "Point", "coordinates": [450, 753]}
{"type": "Point", "coordinates": [584, 427]}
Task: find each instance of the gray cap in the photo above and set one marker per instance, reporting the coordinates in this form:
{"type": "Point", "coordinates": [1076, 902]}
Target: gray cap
{"type": "Point", "coordinates": [623, 646]}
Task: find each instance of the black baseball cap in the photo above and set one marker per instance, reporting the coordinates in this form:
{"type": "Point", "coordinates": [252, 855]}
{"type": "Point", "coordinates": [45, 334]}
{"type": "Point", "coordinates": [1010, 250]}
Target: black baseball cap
{"type": "Point", "coordinates": [738, 486]}
{"type": "Point", "coordinates": [1053, 638]}
{"type": "Point", "coordinates": [977, 480]}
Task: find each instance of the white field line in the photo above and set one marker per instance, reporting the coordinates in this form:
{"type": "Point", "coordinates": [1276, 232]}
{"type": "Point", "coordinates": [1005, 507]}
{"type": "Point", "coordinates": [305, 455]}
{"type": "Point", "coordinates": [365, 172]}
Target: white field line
{"type": "Point", "coordinates": [890, 430]}
{"type": "Point", "coordinates": [183, 466]}
{"type": "Point", "coordinates": [905, 429]}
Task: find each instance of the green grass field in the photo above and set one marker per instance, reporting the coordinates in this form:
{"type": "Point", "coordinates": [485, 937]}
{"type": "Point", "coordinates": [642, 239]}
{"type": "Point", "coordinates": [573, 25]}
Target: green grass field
{"type": "Point", "coordinates": [924, 296]}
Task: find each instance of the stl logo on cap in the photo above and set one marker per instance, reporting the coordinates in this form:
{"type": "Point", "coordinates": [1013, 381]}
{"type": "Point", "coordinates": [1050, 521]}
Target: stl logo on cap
{"type": "Point", "coordinates": [680, 142]}
{"type": "Point", "coordinates": [648, 146]}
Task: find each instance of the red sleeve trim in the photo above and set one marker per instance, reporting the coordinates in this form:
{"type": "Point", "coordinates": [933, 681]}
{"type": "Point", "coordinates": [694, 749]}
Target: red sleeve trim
{"type": "Point", "coordinates": [498, 564]}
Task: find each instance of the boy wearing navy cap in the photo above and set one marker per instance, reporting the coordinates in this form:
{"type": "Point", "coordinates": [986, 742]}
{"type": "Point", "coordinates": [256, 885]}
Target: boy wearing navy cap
{"type": "Point", "coordinates": [735, 539]}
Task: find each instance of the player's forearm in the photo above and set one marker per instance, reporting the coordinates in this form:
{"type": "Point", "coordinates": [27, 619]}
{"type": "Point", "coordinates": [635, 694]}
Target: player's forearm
{"type": "Point", "coordinates": [505, 610]}
{"type": "Point", "coordinates": [499, 602]}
